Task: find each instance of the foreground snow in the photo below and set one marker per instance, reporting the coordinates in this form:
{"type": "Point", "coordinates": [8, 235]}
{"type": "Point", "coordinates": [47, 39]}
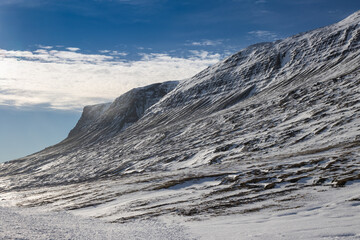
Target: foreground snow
{"type": "Point", "coordinates": [333, 214]}
{"type": "Point", "coordinates": [35, 223]}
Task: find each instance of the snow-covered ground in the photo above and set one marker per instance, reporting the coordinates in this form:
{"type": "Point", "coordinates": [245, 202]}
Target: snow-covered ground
{"type": "Point", "coordinates": [331, 214]}
{"type": "Point", "coordinates": [37, 224]}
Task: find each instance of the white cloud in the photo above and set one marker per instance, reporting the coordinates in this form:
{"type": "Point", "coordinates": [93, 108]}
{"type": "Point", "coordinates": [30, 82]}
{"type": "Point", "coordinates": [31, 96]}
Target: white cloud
{"type": "Point", "coordinates": [203, 55]}
{"type": "Point", "coordinates": [45, 47]}
{"type": "Point", "coordinates": [70, 80]}
{"type": "Point", "coordinates": [73, 49]}
{"type": "Point", "coordinates": [54, 56]}
{"type": "Point", "coordinates": [206, 43]}
{"type": "Point", "coordinates": [118, 53]}
{"type": "Point", "coordinates": [264, 35]}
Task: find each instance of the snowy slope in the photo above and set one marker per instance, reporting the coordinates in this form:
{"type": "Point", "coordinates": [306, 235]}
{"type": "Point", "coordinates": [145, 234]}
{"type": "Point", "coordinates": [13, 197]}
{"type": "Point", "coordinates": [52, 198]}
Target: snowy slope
{"type": "Point", "coordinates": [248, 134]}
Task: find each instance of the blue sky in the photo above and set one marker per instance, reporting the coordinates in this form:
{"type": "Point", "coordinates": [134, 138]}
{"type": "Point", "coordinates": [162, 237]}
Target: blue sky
{"type": "Point", "coordinates": [57, 56]}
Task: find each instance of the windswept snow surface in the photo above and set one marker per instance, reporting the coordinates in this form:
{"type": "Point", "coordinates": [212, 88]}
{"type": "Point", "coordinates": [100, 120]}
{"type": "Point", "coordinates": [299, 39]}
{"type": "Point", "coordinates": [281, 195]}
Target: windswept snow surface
{"type": "Point", "coordinates": [326, 215]}
{"type": "Point", "coordinates": [38, 224]}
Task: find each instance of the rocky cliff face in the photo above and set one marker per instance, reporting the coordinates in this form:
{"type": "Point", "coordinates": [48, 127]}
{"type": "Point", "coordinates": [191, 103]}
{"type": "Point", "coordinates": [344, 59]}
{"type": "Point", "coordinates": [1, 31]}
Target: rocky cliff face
{"type": "Point", "coordinates": [106, 120]}
{"type": "Point", "coordinates": [244, 134]}
{"type": "Point", "coordinates": [89, 117]}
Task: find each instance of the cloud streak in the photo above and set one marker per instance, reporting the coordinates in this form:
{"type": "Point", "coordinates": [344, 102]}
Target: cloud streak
{"type": "Point", "coordinates": [206, 43]}
{"type": "Point", "coordinates": [69, 80]}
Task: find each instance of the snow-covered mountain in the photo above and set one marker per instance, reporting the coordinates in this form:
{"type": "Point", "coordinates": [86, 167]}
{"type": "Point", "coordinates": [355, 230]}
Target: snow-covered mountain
{"type": "Point", "coordinates": [247, 134]}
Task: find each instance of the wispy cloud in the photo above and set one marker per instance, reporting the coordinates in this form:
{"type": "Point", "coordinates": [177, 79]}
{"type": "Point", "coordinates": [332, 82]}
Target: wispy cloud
{"type": "Point", "coordinates": [116, 53]}
{"type": "Point", "coordinates": [70, 80]}
{"type": "Point", "coordinates": [45, 47]}
{"type": "Point", "coordinates": [204, 55]}
{"type": "Point", "coordinates": [54, 56]}
{"type": "Point", "coordinates": [264, 35]}
{"type": "Point", "coordinates": [205, 43]}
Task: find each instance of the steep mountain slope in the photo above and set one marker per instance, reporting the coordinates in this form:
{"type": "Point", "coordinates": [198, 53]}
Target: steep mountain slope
{"type": "Point", "coordinates": [243, 135]}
